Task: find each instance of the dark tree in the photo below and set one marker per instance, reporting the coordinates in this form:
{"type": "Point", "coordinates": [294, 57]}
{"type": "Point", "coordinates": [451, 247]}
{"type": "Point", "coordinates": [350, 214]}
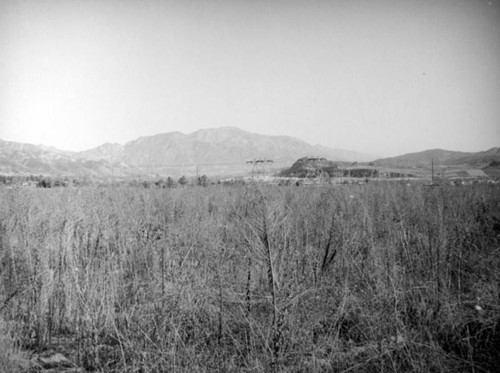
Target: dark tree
{"type": "Point", "coordinates": [203, 180]}
{"type": "Point", "coordinates": [170, 182]}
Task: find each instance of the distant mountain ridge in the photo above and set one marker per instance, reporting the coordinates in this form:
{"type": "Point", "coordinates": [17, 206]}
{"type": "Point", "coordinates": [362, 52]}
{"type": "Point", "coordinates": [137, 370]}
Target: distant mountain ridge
{"type": "Point", "coordinates": [214, 146]}
{"type": "Point", "coordinates": [479, 158]}
{"type": "Point", "coordinates": [217, 151]}
{"type": "Point", "coordinates": [440, 156]}
{"type": "Point", "coordinates": [18, 158]}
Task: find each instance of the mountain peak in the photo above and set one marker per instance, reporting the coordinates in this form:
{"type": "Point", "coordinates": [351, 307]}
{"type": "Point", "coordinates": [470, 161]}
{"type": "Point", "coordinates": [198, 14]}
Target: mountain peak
{"type": "Point", "coordinates": [220, 150]}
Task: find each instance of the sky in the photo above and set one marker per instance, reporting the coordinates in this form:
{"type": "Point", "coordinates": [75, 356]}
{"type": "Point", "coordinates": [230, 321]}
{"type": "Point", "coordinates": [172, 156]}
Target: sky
{"type": "Point", "coordinates": [382, 77]}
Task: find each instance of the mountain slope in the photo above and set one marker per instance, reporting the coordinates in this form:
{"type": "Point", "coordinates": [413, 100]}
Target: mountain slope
{"type": "Point", "coordinates": [424, 158]}
{"type": "Point", "coordinates": [215, 146]}
{"type": "Point", "coordinates": [216, 151]}
{"type": "Point", "coordinates": [443, 157]}
{"type": "Point", "coordinates": [478, 159]}
{"type": "Point", "coordinates": [225, 145]}
{"type": "Point", "coordinates": [108, 152]}
{"type": "Point", "coordinates": [18, 159]}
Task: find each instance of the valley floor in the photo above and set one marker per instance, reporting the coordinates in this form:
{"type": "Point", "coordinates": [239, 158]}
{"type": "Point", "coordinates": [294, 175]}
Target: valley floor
{"type": "Point", "coordinates": [376, 277]}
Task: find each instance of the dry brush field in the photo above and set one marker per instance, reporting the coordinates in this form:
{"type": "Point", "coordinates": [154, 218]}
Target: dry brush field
{"type": "Point", "coordinates": [386, 277]}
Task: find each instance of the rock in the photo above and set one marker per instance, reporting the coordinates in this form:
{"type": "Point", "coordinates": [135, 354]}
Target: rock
{"type": "Point", "coordinates": [56, 360]}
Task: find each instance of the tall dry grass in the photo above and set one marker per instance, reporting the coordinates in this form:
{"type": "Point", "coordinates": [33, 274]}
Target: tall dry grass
{"type": "Point", "coordinates": [349, 278]}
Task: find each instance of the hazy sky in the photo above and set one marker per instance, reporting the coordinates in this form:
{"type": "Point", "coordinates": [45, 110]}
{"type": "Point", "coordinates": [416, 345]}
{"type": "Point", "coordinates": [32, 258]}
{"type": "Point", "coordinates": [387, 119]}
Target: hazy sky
{"type": "Point", "coordinates": [383, 77]}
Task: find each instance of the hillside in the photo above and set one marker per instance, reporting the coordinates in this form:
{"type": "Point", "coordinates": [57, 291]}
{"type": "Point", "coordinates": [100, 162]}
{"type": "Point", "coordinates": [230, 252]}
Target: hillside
{"type": "Point", "coordinates": [225, 145]}
{"type": "Point", "coordinates": [478, 159]}
{"type": "Point", "coordinates": [108, 152]}
{"type": "Point", "coordinates": [27, 159]}
{"type": "Point", "coordinates": [217, 151]}
{"type": "Point", "coordinates": [492, 169]}
{"type": "Point", "coordinates": [311, 167]}
{"type": "Point", "coordinates": [439, 156]}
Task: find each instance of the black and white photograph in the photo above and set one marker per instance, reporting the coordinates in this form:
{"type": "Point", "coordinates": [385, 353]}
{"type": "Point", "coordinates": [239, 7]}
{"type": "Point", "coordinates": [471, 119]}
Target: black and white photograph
{"type": "Point", "coordinates": [249, 186]}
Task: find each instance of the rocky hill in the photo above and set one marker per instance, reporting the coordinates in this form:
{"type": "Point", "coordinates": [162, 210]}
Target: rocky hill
{"type": "Point", "coordinates": [311, 167]}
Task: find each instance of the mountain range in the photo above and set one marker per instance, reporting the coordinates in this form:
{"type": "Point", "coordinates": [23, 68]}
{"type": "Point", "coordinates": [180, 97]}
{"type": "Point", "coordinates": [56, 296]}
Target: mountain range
{"type": "Point", "coordinates": [441, 157]}
{"type": "Point", "coordinates": [212, 147]}
{"type": "Point", "coordinates": [215, 152]}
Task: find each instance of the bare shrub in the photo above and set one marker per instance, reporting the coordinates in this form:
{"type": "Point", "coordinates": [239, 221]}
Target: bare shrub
{"type": "Point", "coordinates": [361, 278]}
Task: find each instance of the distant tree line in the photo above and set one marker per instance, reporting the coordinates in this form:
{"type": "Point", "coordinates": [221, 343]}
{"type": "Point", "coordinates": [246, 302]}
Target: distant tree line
{"type": "Point", "coordinates": [39, 181]}
{"type": "Point", "coordinates": [170, 183]}
{"type": "Point", "coordinates": [43, 181]}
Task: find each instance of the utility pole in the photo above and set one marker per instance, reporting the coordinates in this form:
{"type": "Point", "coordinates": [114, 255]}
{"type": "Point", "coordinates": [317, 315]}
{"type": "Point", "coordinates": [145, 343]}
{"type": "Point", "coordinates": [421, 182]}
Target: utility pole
{"type": "Point", "coordinates": [432, 170]}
